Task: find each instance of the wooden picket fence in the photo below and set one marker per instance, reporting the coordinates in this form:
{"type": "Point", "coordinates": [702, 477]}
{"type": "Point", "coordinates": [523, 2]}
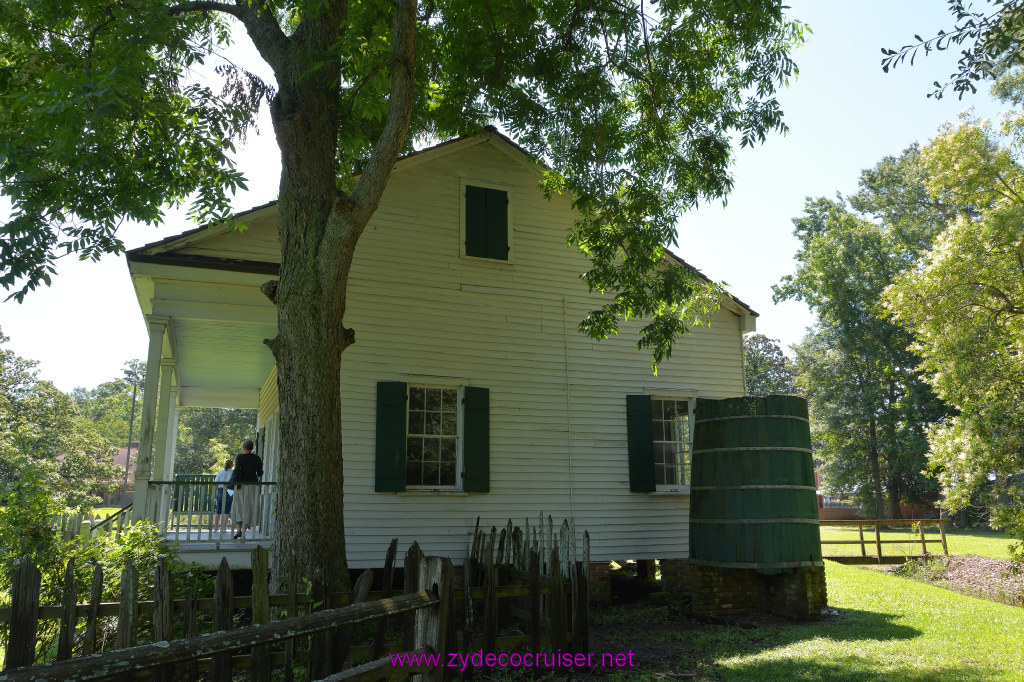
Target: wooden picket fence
{"type": "Point", "coordinates": [515, 581]}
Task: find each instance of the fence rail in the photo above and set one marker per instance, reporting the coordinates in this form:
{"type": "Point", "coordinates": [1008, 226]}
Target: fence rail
{"type": "Point", "coordinates": [877, 556]}
{"type": "Point", "coordinates": [547, 599]}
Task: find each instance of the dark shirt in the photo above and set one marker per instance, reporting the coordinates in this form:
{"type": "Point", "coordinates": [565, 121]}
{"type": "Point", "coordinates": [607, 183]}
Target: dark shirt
{"type": "Point", "coordinates": [248, 468]}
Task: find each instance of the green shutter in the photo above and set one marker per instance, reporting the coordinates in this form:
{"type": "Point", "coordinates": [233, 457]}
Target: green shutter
{"type": "Point", "coordinates": [497, 224]}
{"type": "Point", "coordinates": [640, 434]}
{"type": "Point", "coordinates": [391, 420]}
{"type": "Point", "coordinates": [476, 442]}
{"type": "Point", "coordinates": [476, 221]}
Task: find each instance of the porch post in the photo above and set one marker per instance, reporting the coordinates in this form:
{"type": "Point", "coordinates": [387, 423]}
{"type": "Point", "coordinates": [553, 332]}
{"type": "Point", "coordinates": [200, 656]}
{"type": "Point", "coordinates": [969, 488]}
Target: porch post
{"type": "Point", "coordinates": [168, 397]}
{"type": "Point", "coordinates": [144, 459]}
{"type": "Point", "coordinates": [172, 449]}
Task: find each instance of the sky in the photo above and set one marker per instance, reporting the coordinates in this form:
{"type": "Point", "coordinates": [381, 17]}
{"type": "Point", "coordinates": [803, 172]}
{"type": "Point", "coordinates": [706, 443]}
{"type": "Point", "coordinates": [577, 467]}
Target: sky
{"type": "Point", "coordinates": [844, 114]}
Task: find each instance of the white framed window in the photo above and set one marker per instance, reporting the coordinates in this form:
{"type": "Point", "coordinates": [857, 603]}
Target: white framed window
{"type": "Point", "coordinates": [672, 421]}
{"type": "Point", "coordinates": [433, 438]}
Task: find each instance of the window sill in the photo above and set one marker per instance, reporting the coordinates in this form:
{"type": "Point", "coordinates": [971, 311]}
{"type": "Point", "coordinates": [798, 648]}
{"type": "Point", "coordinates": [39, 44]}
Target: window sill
{"type": "Point", "coordinates": [683, 490]}
{"type": "Point", "coordinates": [426, 492]}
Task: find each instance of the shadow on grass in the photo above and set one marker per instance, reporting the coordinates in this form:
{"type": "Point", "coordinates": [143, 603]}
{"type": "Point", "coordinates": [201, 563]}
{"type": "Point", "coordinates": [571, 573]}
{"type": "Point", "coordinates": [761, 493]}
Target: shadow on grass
{"type": "Point", "coordinates": [851, 669]}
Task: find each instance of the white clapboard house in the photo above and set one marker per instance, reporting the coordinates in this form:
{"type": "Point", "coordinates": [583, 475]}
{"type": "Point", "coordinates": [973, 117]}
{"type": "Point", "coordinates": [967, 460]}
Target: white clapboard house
{"type": "Point", "coordinates": [470, 391]}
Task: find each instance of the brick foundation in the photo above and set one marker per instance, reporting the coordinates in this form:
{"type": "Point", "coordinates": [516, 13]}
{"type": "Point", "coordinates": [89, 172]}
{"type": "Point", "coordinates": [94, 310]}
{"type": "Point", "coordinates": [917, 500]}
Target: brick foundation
{"type": "Point", "coordinates": [798, 593]}
{"type": "Point", "coordinates": [600, 583]}
{"type": "Point", "coordinates": [675, 576]}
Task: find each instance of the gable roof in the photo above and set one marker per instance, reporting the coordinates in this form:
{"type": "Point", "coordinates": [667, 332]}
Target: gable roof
{"type": "Point", "coordinates": [165, 251]}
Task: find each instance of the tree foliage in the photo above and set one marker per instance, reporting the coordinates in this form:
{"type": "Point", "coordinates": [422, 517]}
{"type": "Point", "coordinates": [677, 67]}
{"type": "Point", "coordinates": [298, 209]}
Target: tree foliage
{"type": "Point", "coordinates": [990, 38]}
{"type": "Point", "coordinates": [766, 368]}
{"type": "Point", "coordinates": [965, 306]}
{"type": "Point", "coordinates": [208, 436]}
{"type": "Point", "coordinates": [869, 405]}
{"type": "Point", "coordinates": [45, 441]}
{"type": "Point", "coordinates": [634, 106]}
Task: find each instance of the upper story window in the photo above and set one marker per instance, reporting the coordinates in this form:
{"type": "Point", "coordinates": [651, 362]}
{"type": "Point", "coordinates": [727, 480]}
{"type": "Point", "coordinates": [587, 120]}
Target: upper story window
{"type": "Point", "coordinates": [486, 222]}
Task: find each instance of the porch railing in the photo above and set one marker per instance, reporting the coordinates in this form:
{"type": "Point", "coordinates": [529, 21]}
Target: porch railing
{"type": "Point", "coordinates": [187, 510]}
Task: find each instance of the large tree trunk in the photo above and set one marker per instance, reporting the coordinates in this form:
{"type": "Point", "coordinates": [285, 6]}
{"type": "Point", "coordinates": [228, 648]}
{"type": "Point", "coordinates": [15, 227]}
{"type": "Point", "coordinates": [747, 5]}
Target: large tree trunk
{"type": "Point", "coordinates": [894, 498]}
{"type": "Point", "coordinates": [876, 473]}
{"type": "Point", "coordinates": [310, 300]}
{"type": "Point", "coordinates": [318, 228]}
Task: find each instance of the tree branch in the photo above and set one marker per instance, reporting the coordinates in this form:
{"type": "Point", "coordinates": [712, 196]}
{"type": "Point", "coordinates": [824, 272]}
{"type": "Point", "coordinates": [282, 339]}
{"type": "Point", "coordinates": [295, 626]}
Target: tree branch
{"type": "Point", "coordinates": [371, 184]}
{"type": "Point", "coordinates": [265, 33]}
{"type": "Point", "coordinates": [204, 6]}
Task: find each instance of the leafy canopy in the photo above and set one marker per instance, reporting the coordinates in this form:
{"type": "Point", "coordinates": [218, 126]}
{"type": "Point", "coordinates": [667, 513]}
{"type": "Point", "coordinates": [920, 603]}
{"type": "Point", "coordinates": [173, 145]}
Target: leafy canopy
{"type": "Point", "coordinates": [633, 105]}
{"type": "Point", "coordinates": [965, 307]}
{"type": "Point", "coordinates": [869, 404]}
{"type": "Point", "coordinates": [989, 34]}
{"type": "Point", "coordinates": [767, 370]}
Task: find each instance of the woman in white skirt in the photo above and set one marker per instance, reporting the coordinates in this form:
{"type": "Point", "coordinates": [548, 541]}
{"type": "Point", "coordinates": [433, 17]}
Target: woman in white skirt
{"type": "Point", "coordinates": [248, 469]}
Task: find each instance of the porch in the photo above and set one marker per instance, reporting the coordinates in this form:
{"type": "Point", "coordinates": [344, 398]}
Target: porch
{"type": "Point", "coordinates": [186, 513]}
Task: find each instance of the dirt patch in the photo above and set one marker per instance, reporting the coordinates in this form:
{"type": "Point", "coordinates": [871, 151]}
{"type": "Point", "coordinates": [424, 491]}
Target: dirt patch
{"type": "Point", "coordinates": [993, 579]}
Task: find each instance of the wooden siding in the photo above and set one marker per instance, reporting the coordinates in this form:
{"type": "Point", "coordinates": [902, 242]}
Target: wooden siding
{"type": "Point", "coordinates": [423, 312]}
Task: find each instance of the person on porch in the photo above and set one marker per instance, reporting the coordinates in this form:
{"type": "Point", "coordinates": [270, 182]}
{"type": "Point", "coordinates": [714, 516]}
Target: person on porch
{"type": "Point", "coordinates": [248, 469]}
{"type": "Point", "coordinates": [224, 496]}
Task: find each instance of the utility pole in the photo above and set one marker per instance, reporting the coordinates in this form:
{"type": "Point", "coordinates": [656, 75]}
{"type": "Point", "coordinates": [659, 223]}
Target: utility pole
{"type": "Point", "coordinates": [134, 375]}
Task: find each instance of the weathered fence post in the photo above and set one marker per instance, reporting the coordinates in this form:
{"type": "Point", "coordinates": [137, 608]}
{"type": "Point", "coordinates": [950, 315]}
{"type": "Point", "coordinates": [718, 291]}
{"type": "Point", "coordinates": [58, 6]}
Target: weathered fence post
{"type": "Point", "coordinates": [557, 604]}
{"type": "Point", "coordinates": [223, 607]}
{"type": "Point", "coordinates": [436, 575]}
{"type": "Point", "coordinates": [93, 611]}
{"type": "Point", "coordinates": [21, 649]}
{"type": "Point", "coordinates": [128, 612]}
{"type": "Point", "coordinates": [292, 610]}
{"type": "Point", "coordinates": [163, 614]}
{"type": "Point", "coordinates": [191, 625]}
{"type": "Point", "coordinates": [259, 670]}
{"type": "Point", "coordinates": [412, 584]}
{"type": "Point", "coordinates": [535, 600]}
{"type": "Point", "coordinates": [68, 613]}
{"type": "Point", "coordinates": [386, 589]}
{"type": "Point", "coordinates": [490, 599]}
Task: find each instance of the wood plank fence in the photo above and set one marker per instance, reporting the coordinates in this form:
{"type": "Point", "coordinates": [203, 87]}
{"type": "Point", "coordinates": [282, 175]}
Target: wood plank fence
{"type": "Point", "coordinates": [514, 579]}
{"type": "Point", "coordinates": [875, 541]}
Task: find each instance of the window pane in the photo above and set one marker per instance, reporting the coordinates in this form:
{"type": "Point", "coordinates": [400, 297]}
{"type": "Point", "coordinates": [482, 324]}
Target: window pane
{"type": "Point", "coordinates": [656, 409]}
{"type": "Point", "coordinates": [450, 400]}
{"type": "Point", "coordinates": [659, 474]}
{"type": "Point", "coordinates": [449, 424]}
{"type": "Point", "coordinates": [431, 473]}
{"type": "Point", "coordinates": [448, 473]}
{"type": "Point", "coordinates": [433, 423]}
{"type": "Point", "coordinates": [415, 398]}
{"type": "Point", "coordinates": [415, 422]}
{"type": "Point", "coordinates": [433, 398]}
{"type": "Point", "coordinates": [447, 449]}
{"type": "Point", "coordinates": [414, 450]}
{"type": "Point", "coordinates": [659, 430]}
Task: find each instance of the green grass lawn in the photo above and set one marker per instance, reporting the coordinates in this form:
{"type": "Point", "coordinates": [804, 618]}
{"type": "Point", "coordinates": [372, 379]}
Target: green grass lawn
{"type": "Point", "coordinates": [986, 543]}
{"type": "Point", "coordinates": [104, 512]}
{"type": "Point", "coordinates": [888, 628]}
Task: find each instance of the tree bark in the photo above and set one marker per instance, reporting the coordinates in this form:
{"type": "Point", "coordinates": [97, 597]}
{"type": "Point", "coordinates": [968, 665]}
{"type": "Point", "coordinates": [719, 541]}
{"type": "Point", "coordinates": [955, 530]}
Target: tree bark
{"type": "Point", "coordinates": [876, 472]}
{"type": "Point", "coordinates": [894, 499]}
{"type": "Point", "coordinates": [319, 227]}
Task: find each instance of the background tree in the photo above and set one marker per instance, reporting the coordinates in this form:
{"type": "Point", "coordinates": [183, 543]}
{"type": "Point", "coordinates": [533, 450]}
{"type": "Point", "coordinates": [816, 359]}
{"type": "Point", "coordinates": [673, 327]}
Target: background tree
{"type": "Point", "coordinates": [965, 306]}
{"type": "Point", "coordinates": [634, 107]}
{"type": "Point", "coordinates": [207, 436]}
{"type": "Point", "coordinates": [766, 369]}
{"type": "Point", "coordinates": [989, 34]}
{"type": "Point", "coordinates": [44, 441]}
{"type": "Point", "coordinates": [869, 405]}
